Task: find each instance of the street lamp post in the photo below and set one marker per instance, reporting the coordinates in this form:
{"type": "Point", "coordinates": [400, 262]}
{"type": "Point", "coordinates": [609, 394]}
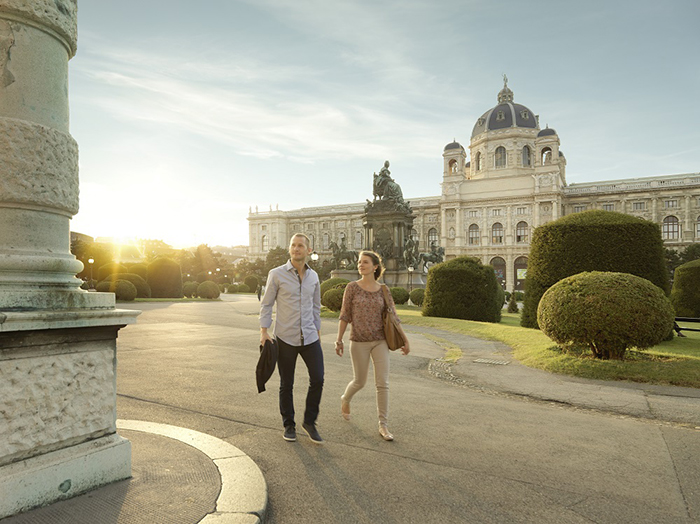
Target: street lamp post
{"type": "Point", "coordinates": [410, 279]}
{"type": "Point", "coordinates": [91, 261]}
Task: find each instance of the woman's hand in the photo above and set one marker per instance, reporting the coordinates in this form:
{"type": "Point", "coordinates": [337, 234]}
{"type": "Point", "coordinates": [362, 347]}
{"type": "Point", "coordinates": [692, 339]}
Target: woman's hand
{"type": "Point", "coordinates": [405, 350]}
{"type": "Point", "coordinates": [339, 347]}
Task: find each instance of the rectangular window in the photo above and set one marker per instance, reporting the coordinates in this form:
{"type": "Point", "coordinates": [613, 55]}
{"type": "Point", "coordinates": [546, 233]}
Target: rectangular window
{"type": "Point", "coordinates": [670, 204]}
{"type": "Point", "coordinates": [263, 228]}
{"type": "Point", "coordinates": [520, 210]}
{"type": "Point", "coordinates": [473, 213]}
{"type": "Point", "coordinates": [608, 207]}
{"type": "Point", "coordinates": [324, 225]}
{"type": "Point", "coordinates": [578, 209]}
{"type": "Point", "coordinates": [639, 206]}
{"type": "Point", "coordinates": [309, 226]}
{"type": "Point", "coordinates": [496, 212]}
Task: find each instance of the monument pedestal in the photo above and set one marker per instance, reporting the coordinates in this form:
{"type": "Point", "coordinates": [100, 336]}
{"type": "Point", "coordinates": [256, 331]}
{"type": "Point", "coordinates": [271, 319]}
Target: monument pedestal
{"type": "Point", "coordinates": [58, 404]}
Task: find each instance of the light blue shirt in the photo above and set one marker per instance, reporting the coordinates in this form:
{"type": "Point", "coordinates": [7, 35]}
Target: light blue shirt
{"type": "Point", "coordinates": [298, 318]}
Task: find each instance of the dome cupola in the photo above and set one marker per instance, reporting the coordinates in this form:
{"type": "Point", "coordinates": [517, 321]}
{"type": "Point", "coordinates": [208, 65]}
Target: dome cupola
{"type": "Point", "coordinates": [506, 114]}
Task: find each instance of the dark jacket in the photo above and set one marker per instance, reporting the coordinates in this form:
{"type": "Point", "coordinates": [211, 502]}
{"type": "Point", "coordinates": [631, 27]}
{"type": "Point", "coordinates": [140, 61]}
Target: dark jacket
{"type": "Point", "coordinates": [266, 364]}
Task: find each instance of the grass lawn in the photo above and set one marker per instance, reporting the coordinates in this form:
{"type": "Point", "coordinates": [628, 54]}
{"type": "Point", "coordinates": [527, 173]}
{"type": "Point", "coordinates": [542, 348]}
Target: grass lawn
{"type": "Point", "coordinates": [675, 362]}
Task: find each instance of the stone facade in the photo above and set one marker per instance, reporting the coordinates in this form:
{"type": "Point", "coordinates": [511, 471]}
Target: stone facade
{"type": "Point", "coordinates": [514, 182]}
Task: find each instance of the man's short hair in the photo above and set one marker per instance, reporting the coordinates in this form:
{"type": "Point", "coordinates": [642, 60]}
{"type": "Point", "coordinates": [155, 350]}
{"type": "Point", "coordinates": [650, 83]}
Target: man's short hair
{"type": "Point", "coordinates": [307, 240]}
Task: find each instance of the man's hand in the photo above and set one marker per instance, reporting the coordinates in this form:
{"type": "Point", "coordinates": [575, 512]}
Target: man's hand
{"type": "Point", "coordinates": [264, 336]}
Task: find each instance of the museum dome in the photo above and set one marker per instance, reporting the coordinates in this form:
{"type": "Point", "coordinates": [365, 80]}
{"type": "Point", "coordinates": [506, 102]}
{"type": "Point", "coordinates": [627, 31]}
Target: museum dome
{"type": "Point", "coordinates": [453, 145]}
{"type": "Point", "coordinates": [505, 115]}
{"type": "Point", "coordinates": [547, 131]}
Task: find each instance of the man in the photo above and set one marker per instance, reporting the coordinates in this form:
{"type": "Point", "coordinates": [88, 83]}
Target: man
{"type": "Point", "coordinates": [296, 289]}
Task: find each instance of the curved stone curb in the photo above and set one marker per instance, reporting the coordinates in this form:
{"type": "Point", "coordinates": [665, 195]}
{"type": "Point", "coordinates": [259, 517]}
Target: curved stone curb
{"type": "Point", "coordinates": [243, 497]}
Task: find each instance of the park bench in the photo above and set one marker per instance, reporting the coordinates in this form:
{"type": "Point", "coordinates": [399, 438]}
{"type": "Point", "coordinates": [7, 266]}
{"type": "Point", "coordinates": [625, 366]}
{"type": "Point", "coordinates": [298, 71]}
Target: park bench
{"type": "Point", "coordinates": [678, 328]}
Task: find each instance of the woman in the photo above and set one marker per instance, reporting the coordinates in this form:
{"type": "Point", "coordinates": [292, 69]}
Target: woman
{"type": "Point", "coordinates": [363, 303]}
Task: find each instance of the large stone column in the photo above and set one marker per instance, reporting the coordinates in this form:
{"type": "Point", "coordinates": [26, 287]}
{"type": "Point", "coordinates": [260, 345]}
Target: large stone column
{"type": "Point", "coordinates": [57, 342]}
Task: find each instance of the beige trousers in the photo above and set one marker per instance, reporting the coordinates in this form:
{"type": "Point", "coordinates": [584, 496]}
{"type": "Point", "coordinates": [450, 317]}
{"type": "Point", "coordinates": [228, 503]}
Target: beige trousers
{"type": "Point", "coordinates": [360, 353]}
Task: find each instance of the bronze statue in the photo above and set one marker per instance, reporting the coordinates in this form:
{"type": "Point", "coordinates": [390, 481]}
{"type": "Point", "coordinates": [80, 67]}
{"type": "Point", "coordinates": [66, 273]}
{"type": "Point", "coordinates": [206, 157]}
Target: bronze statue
{"type": "Point", "coordinates": [385, 188]}
{"type": "Point", "coordinates": [436, 255]}
{"type": "Point", "coordinates": [342, 253]}
{"type": "Point", "coordinates": [410, 252]}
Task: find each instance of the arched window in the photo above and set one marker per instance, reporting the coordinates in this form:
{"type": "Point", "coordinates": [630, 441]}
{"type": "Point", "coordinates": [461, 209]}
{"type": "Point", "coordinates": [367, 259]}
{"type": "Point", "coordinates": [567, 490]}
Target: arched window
{"type": "Point", "coordinates": [414, 235]}
{"type": "Point", "coordinates": [358, 239]}
{"type": "Point", "coordinates": [473, 235]}
{"type": "Point", "coordinates": [522, 233]}
{"type": "Point", "coordinates": [326, 241]}
{"type": "Point", "coordinates": [527, 157]}
{"type": "Point", "coordinates": [520, 272]}
{"type": "Point", "coordinates": [265, 244]}
{"type": "Point", "coordinates": [432, 237]}
{"type": "Point", "coordinates": [500, 156]}
{"type": "Point", "coordinates": [477, 161]}
{"type": "Point", "coordinates": [697, 230]}
{"type": "Point", "coordinates": [546, 155]}
{"type": "Point", "coordinates": [499, 268]}
{"type": "Point", "coordinates": [670, 229]}
{"type": "Point", "coordinates": [497, 233]}
{"type": "Point", "coordinates": [312, 243]}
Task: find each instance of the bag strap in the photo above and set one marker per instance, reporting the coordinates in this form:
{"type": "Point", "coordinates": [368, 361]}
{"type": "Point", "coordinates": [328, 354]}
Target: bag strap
{"type": "Point", "coordinates": [385, 293]}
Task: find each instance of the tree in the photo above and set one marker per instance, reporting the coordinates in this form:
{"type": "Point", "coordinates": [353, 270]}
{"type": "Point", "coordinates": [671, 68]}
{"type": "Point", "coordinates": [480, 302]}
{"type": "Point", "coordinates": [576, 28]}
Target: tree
{"type": "Point", "coordinates": [84, 251]}
{"type": "Point", "coordinates": [275, 257]}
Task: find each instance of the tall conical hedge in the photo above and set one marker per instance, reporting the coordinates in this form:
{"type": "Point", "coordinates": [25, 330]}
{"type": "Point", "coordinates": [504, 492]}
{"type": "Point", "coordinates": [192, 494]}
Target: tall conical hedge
{"type": "Point", "coordinates": [592, 241]}
{"type": "Point", "coordinates": [165, 278]}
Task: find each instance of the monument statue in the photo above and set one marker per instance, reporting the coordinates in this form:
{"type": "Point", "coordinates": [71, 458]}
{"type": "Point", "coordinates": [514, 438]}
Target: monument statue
{"type": "Point", "coordinates": [410, 252]}
{"type": "Point", "coordinates": [387, 193]}
{"type": "Point", "coordinates": [342, 253]}
{"type": "Point", "coordinates": [436, 255]}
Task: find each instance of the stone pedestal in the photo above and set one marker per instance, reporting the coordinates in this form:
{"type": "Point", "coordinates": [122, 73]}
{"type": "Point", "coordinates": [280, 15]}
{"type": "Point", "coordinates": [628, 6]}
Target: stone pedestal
{"type": "Point", "coordinates": [57, 342]}
{"type": "Point", "coordinates": [387, 226]}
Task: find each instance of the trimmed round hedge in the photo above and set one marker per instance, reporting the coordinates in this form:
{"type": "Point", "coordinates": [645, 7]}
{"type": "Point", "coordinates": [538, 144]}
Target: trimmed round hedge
{"type": "Point", "coordinates": [591, 241]}
{"type": "Point", "coordinates": [232, 288]}
{"type": "Point", "coordinates": [333, 298]}
{"type": "Point", "coordinates": [607, 312]}
{"type": "Point", "coordinates": [208, 289]}
{"type": "Point", "coordinates": [331, 283]}
{"type": "Point", "coordinates": [417, 296]}
{"type": "Point", "coordinates": [243, 288]}
{"type": "Point", "coordinates": [685, 295]}
{"type": "Point", "coordinates": [165, 278]}
{"type": "Point", "coordinates": [463, 288]}
{"type": "Point", "coordinates": [189, 289]}
{"type": "Point", "coordinates": [143, 290]}
{"type": "Point", "coordinates": [399, 294]}
{"type": "Point", "coordinates": [331, 301]}
{"type": "Point", "coordinates": [122, 289]}
{"type": "Point", "coordinates": [110, 269]}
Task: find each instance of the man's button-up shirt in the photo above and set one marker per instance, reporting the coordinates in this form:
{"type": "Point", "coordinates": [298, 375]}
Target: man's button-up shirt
{"type": "Point", "coordinates": [298, 318]}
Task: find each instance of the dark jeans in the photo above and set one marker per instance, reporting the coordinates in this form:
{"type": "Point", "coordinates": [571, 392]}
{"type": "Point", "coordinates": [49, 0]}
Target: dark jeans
{"type": "Point", "coordinates": [286, 364]}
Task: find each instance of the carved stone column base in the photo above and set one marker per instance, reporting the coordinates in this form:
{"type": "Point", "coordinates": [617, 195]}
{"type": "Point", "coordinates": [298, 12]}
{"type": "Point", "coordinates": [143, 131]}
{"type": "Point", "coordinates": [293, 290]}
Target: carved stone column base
{"type": "Point", "coordinates": [62, 474]}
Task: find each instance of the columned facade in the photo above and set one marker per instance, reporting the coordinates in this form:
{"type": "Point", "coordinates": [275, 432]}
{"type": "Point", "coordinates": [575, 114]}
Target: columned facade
{"type": "Point", "coordinates": [514, 182]}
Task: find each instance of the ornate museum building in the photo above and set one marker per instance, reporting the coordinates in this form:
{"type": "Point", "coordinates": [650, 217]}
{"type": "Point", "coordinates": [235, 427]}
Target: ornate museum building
{"type": "Point", "coordinates": [515, 181]}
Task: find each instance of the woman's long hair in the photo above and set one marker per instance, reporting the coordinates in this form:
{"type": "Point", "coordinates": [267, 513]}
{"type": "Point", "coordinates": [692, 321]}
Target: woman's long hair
{"type": "Point", "coordinates": [376, 261]}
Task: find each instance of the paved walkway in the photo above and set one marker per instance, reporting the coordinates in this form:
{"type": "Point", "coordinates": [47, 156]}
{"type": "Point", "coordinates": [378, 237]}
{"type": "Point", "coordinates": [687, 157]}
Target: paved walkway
{"type": "Point", "coordinates": [484, 440]}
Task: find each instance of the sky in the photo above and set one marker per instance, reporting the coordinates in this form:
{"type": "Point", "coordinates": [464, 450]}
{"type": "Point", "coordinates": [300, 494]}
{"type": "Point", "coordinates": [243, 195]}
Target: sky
{"type": "Point", "coordinates": [188, 114]}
